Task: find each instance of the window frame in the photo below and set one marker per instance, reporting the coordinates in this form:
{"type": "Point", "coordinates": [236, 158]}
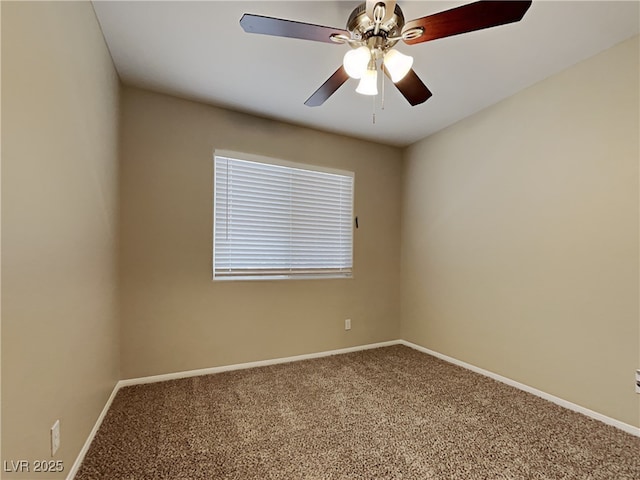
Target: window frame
{"type": "Point", "coordinates": [302, 274]}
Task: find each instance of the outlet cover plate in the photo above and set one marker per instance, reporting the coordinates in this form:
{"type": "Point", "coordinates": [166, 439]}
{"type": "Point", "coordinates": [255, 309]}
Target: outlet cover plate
{"type": "Point", "coordinates": [55, 437]}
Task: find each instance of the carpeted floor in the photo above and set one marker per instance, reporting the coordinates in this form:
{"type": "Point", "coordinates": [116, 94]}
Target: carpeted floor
{"type": "Point", "coordinates": [390, 413]}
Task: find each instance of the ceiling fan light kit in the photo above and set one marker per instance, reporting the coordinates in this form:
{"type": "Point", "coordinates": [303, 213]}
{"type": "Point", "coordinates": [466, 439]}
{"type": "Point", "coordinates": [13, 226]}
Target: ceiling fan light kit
{"type": "Point", "coordinates": [374, 28]}
{"type": "Point", "coordinates": [356, 61]}
{"type": "Point", "coordinates": [368, 84]}
{"type": "Point", "coordinates": [398, 64]}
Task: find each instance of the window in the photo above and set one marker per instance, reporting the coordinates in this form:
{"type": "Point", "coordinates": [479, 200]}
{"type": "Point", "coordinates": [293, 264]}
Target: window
{"type": "Point", "coordinates": [276, 219]}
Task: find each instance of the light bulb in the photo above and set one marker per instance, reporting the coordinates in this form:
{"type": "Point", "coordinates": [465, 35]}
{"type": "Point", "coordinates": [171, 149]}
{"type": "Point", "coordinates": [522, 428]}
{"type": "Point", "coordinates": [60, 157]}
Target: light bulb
{"type": "Point", "coordinates": [368, 83]}
{"type": "Point", "coordinates": [397, 64]}
{"type": "Point", "coordinates": [355, 61]}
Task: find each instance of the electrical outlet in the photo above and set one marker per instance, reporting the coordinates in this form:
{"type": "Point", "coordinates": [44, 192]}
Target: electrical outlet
{"type": "Point", "coordinates": [347, 324]}
{"type": "Point", "coordinates": [637, 381]}
{"type": "Point", "coordinates": [55, 437]}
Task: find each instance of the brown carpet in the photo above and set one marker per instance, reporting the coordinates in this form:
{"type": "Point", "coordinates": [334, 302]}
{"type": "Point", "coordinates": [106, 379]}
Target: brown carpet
{"type": "Point", "coordinates": [390, 413]}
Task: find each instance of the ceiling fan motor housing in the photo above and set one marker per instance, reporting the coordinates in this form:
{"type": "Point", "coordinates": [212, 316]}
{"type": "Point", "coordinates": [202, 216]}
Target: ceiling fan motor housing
{"type": "Point", "coordinates": [363, 29]}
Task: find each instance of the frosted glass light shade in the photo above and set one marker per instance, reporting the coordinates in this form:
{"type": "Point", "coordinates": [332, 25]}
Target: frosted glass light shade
{"type": "Point", "coordinates": [368, 83]}
{"type": "Point", "coordinates": [355, 61]}
{"type": "Point", "coordinates": [397, 64]}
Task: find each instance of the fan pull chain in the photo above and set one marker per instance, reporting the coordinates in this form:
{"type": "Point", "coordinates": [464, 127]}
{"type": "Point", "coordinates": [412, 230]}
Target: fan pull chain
{"type": "Point", "coordinates": [382, 88]}
{"type": "Point", "coordinates": [373, 110]}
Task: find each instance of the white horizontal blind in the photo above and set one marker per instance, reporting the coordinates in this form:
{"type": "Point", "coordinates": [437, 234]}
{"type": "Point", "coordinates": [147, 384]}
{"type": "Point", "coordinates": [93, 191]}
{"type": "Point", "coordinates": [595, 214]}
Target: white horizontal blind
{"type": "Point", "coordinates": [277, 221]}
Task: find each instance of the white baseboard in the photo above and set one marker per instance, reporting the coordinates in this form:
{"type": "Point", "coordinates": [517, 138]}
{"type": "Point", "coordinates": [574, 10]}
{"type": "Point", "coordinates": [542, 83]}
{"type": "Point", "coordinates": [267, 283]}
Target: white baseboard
{"type": "Point", "coordinates": [242, 366]}
{"type": "Point", "coordinates": [521, 386]}
{"type": "Point", "coordinates": [262, 363]}
{"type": "Point", "coordinates": [85, 448]}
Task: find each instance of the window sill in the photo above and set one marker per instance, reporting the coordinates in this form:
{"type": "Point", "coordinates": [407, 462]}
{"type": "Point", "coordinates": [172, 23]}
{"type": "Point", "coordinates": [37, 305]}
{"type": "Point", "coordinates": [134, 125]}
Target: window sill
{"type": "Point", "coordinates": [233, 278]}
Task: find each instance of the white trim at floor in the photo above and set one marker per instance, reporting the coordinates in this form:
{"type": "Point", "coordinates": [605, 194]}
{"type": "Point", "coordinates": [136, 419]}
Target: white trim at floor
{"type": "Point", "coordinates": [521, 386]}
{"type": "Point", "coordinates": [85, 448]}
{"type": "Point", "coordinates": [240, 366]}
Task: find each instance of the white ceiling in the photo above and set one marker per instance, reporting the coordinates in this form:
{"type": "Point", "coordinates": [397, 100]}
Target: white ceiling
{"type": "Point", "coordinates": [198, 50]}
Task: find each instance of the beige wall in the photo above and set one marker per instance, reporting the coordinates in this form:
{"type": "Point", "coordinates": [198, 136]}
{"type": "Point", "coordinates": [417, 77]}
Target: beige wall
{"type": "Point", "coordinates": [520, 236]}
{"type": "Point", "coordinates": [174, 317]}
{"type": "Point", "coordinates": [59, 206]}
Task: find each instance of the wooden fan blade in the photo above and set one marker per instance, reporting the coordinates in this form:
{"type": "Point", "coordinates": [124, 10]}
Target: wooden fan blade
{"type": "Point", "coordinates": [328, 88]}
{"type": "Point", "coordinates": [467, 18]}
{"type": "Point", "coordinates": [412, 88]}
{"type": "Point", "coordinates": [280, 27]}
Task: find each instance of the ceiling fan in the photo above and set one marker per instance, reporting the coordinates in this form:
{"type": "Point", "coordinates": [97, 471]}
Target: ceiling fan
{"type": "Point", "coordinates": [374, 28]}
